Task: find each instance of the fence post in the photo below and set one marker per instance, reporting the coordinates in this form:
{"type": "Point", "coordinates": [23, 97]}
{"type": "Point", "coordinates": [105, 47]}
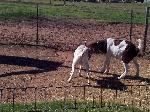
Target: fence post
{"type": "Point", "coordinates": [25, 90]}
{"type": "Point", "coordinates": [93, 102]}
{"type": "Point", "coordinates": [146, 29]}
{"type": "Point", "coordinates": [131, 24]}
{"type": "Point", "coordinates": [14, 99]}
{"type": "Point", "coordinates": [1, 101]}
{"type": "Point", "coordinates": [75, 100]}
{"type": "Point", "coordinates": [35, 100]}
{"type": "Point", "coordinates": [65, 99]}
{"type": "Point", "coordinates": [37, 25]}
{"type": "Point", "coordinates": [84, 92]}
{"type": "Point", "coordinates": [50, 2]}
{"type": "Point", "coordinates": [64, 2]}
{"type": "Point", "coordinates": [101, 97]}
{"type": "Point", "coordinates": [45, 98]}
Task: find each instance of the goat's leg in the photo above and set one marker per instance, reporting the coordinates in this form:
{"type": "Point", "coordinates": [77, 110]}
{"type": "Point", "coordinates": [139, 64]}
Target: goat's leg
{"type": "Point", "coordinates": [75, 61]}
{"type": "Point", "coordinates": [105, 67]}
{"type": "Point", "coordinates": [137, 66]}
{"type": "Point", "coordinates": [80, 68]}
{"type": "Point", "coordinates": [86, 65]}
{"type": "Point", "coordinates": [72, 72]}
{"type": "Point", "coordinates": [125, 70]}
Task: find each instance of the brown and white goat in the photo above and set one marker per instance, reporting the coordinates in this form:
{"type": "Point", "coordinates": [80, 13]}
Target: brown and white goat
{"type": "Point", "coordinates": [122, 49]}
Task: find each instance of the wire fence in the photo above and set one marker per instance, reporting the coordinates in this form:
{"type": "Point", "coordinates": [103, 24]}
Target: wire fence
{"type": "Point", "coordinates": [67, 98]}
{"type": "Point", "coordinates": [39, 16]}
{"type": "Point", "coordinates": [48, 2]}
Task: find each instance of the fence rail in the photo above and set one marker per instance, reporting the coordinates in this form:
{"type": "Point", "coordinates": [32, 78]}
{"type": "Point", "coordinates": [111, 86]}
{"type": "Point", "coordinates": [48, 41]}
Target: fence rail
{"type": "Point", "coordinates": [89, 97]}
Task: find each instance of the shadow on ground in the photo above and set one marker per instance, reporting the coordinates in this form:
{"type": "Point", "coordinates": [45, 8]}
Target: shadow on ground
{"type": "Point", "coordinates": [40, 65]}
{"type": "Point", "coordinates": [110, 83]}
{"type": "Point", "coordinates": [115, 84]}
{"type": "Point", "coordinates": [139, 78]}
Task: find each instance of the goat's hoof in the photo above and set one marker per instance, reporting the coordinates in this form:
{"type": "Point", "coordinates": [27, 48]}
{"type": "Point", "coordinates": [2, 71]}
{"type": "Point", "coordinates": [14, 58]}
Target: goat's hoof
{"type": "Point", "coordinates": [106, 72]}
{"type": "Point", "coordinates": [102, 70]}
{"type": "Point", "coordinates": [69, 80]}
{"type": "Point", "coordinates": [119, 78]}
{"type": "Point", "coordinates": [137, 75]}
{"type": "Point", "coordinates": [88, 82]}
{"type": "Point", "coordinates": [80, 75]}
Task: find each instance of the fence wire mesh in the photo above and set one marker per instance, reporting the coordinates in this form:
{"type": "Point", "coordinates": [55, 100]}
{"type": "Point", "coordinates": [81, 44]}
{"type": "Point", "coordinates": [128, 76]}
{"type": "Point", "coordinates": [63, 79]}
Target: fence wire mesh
{"type": "Point", "coordinates": [35, 24]}
{"type": "Point", "coordinates": [38, 29]}
{"type": "Point", "coordinates": [69, 98]}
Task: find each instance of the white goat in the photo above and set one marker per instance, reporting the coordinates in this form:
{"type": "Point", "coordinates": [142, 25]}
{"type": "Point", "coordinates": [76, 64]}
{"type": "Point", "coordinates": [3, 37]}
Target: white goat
{"type": "Point", "coordinates": [80, 57]}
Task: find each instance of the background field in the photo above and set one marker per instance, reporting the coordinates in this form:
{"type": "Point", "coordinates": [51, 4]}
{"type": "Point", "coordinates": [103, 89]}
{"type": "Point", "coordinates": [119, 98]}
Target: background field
{"type": "Point", "coordinates": [100, 12]}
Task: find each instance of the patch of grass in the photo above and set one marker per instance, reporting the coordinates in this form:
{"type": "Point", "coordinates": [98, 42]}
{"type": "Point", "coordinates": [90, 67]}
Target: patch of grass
{"type": "Point", "coordinates": [100, 12]}
{"type": "Point", "coordinates": [68, 106]}
{"type": "Point", "coordinates": [12, 11]}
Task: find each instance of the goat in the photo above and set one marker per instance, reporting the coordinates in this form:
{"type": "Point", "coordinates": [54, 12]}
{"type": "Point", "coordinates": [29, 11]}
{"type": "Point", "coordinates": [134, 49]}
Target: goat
{"type": "Point", "coordinates": [80, 57]}
{"type": "Point", "coordinates": [122, 49]}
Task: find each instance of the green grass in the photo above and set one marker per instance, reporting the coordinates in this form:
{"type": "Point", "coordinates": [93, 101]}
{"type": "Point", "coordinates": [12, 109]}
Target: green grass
{"type": "Point", "coordinates": [57, 106]}
{"type": "Point", "coordinates": [99, 12]}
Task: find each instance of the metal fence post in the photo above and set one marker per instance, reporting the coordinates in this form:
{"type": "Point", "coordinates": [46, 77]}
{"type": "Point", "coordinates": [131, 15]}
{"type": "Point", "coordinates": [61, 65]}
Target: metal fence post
{"type": "Point", "coordinates": [45, 98]}
{"type": "Point", "coordinates": [50, 2]}
{"type": "Point", "coordinates": [1, 92]}
{"type": "Point", "coordinates": [93, 102]}
{"type": "Point", "coordinates": [65, 98]}
{"type": "Point", "coordinates": [131, 24]}
{"type": "Point", "coordinates": [146, 29]}
{"type": "Point", "coordinates": [37, 25]}
{"type": "Point", "coordinates": [13, 91]}
{"type": "Point", "coordinates": [35, 100]}
{"type": "Point", "coordinates": [64, 2]}
{"type": "Point", "coordinates": [84, 92]}
{"type": "Point", "coordinates": [75, 101]}
{"type": "Point", "coordinates": [101, 97]}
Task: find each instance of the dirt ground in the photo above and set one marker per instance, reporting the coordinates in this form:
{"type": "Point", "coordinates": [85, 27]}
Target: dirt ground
{"type": "Point", "coordinates": [28, 65]}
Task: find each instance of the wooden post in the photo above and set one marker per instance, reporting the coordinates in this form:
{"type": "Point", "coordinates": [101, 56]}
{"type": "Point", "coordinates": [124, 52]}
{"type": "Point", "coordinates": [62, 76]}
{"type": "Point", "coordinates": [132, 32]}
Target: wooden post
{"type": "Point", "coordinates": [131, 24]}
{"type": "Point", "coordinates": [146, 29]}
